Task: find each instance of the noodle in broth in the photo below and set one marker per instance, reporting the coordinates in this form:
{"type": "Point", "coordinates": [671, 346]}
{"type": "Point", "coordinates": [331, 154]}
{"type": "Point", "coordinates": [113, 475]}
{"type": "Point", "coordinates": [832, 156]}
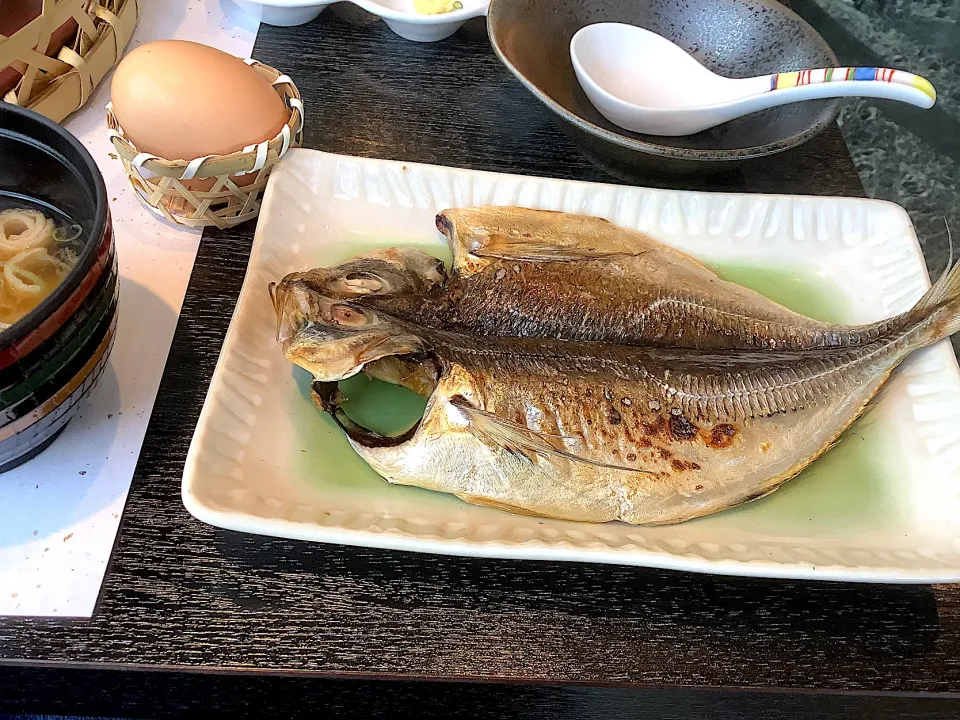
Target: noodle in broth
{"type": "Point", "coordinates": [35, 257]}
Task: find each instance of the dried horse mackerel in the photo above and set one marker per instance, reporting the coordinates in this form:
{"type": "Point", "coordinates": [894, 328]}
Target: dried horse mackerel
{"type": "Point", "coordinates": [581, 371]}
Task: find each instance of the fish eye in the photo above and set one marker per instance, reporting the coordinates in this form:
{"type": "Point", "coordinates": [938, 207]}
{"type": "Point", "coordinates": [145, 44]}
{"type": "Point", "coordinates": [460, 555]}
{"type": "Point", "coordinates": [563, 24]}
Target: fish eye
{"type": "Point", "coordinates": [361, 283]}
{"type": "Point", "coordinates": [347, 316]}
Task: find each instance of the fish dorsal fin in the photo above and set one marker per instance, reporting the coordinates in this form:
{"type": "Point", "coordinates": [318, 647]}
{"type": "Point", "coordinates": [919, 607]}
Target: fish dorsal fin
{"type": "Point", "coordinates": [521, 234]}
{"type": "Point", "coordinates": [946, 287]}
{"type": "Point", "coordinates": [530, 252]}
{"type": "Point", "coordinates": [521, 440]}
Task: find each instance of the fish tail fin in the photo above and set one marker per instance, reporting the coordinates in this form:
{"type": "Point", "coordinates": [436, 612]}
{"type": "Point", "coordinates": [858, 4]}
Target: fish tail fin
{"type": "Point", "coordinates": [939, 309]}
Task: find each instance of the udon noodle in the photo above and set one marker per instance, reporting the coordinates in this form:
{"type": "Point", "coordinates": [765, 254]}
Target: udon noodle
{"type": "Point", "coordinates": [35, 257]}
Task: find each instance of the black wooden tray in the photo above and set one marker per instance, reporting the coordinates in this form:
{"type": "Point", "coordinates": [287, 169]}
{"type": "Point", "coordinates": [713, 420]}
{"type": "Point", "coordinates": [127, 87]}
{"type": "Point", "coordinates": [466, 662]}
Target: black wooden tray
{"type": "Point", "coordinates": [195, 617]}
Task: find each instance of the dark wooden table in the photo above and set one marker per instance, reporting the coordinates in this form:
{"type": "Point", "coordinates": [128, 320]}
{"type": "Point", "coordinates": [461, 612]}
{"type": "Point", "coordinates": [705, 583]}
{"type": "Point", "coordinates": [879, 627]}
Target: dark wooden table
{"type": "Point", "coordinates": [195, 617]}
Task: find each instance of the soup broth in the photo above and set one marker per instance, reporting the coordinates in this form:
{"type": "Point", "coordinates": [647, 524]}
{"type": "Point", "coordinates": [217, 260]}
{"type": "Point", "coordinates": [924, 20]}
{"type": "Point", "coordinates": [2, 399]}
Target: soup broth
{"type": "Point", "coordinates": [38, 248]}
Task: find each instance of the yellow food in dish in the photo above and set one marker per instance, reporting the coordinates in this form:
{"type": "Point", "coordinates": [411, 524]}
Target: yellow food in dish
{"type": "Point", "coordinates": [35, 256]}
{"type": "Point", "coordinates": [436, 7]}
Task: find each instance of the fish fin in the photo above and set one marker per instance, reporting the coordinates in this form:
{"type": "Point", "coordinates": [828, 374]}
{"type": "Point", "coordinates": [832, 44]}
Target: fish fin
{"type": "Point", "coordinates": [949, 244]}
{"type": "Point", "coordinates": [946, 286]}
{"type": "Point", "coordinates": [528, 235]}
{"type": "Point", "coordinates": [943, 301]}
{"type": "Point", "coordinates": [497, 505]}
{"type": "Point", "coordinates": [532, 253]}
{"type": "Point", "coordinates": [521, 440]}
{"type": "Point", "coordinates": [873, 403]}
{"type": "Point", "coordinates": [532, 249]}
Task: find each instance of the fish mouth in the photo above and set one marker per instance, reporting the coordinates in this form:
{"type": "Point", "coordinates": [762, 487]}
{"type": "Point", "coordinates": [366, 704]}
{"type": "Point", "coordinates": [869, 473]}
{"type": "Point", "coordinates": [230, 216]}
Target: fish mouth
{"type": "Point", "coordinates": [330, 399]}
{"type": "Point", "coordinates": [417, 373]}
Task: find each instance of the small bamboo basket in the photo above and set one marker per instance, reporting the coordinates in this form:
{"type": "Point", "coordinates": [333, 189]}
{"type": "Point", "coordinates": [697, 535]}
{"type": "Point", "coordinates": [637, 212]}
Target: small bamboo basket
{"type": "Point", "coordinates": [172, 188]}
{"type": "Point", "coordinates": [56, 86]}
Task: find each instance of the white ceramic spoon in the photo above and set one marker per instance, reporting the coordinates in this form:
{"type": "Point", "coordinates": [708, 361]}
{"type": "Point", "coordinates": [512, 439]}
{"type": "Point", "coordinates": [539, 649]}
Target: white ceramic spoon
{"type": "Point", "coordinates": [644, 83]}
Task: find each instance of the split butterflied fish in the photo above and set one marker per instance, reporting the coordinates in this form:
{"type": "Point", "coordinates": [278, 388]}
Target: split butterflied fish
{"type": "Point", "coordinates": [582, 371]}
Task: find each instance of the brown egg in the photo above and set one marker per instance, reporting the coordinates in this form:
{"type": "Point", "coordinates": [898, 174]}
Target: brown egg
{"type": "Point", "coordinates": [181, 100]}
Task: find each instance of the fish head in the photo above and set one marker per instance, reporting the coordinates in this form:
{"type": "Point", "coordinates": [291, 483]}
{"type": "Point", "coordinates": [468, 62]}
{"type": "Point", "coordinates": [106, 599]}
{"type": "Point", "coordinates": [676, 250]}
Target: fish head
{"type": "Point", "coordinates": [333, 338]}
{"type": "Point", "coordinates": [387, 272]}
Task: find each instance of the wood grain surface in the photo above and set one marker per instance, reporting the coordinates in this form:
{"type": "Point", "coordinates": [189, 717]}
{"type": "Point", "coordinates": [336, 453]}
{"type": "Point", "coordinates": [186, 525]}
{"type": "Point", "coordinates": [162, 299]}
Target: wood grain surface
{"type": "Point", "coordinates": [181, 596]}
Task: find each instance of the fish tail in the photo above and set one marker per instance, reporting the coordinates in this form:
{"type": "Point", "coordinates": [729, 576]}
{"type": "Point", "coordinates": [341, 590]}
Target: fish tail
{"type": "Point", "coordinates": [938, 312]}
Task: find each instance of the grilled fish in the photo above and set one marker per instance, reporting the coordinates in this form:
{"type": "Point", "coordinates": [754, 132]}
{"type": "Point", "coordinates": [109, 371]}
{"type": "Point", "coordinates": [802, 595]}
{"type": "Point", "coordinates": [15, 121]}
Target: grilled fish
{"type": "Point", "coordinates": [531, 273]}
{"type": "Point", "coordinates": [585, 427]}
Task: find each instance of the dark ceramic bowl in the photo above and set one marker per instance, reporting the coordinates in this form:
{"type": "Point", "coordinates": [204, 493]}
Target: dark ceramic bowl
{"type": "Point", "coordinates": [735, 38]}
{"type": "Point", "coordinates": [51, 359]}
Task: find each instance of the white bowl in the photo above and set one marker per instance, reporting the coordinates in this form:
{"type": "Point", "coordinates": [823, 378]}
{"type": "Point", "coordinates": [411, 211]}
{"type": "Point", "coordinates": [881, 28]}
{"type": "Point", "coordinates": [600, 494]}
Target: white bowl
{"type": "Point", "coordinates": [399, 15]}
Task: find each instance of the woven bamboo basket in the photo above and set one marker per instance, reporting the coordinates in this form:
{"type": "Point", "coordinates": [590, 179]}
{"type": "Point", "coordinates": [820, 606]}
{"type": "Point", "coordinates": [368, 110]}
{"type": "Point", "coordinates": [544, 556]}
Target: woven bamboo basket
{"type": "Point", "coordinates": [220, 190]}
{"type": "Point", "coordinates": [56, 86]}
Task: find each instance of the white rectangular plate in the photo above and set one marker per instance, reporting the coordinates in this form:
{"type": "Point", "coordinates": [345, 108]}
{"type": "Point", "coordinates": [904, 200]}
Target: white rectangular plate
{"type": "Point", "coordinates": [883, 506]}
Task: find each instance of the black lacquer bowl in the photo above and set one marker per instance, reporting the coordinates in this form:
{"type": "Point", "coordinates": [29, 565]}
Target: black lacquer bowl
{"type": "Point", "coordinates": [735, 38]}
{"type": "Point", "coordinates": [52, 358]}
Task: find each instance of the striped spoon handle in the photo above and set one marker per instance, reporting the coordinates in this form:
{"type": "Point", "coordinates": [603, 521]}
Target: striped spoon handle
{"type": "Point", "coordinates": [859, 81]}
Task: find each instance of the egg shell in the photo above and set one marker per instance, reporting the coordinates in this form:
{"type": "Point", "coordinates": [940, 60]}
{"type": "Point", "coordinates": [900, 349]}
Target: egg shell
{"type": "Point", "coordinates": [181, 100]}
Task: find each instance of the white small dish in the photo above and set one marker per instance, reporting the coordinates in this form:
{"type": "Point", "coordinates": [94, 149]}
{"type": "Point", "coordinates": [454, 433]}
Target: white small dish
{"type": "Point", "coordinates": [265, 460]}
{"type": "Point", "coordinates": [399, 15]}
